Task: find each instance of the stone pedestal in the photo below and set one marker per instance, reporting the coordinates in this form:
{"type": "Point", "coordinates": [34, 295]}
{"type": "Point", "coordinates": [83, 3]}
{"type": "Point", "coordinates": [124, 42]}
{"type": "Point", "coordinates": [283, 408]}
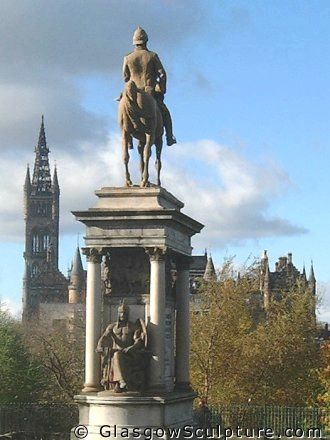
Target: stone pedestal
{"type": "Point", "coordinates": [145, 239]}
{"type": "Point", "coordinates": [108, 415]}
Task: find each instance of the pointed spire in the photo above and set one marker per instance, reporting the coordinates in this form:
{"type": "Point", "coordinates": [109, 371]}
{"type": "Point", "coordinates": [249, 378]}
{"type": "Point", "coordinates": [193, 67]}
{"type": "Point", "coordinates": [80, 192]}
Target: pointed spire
{"type": "Point", "coordinates": [209, 274]}
{"type": "Point", "coordinates": [304, 276]}
{"type": "Point", "coordinates": [77, 267]}
{"type": "Point", "coordinates": [312, 279]}
{"type": "Point", "coordinates": [27, 183]}
{"type": "Point", "coordinates": [56, 186]}
{"type": "Point", "coordinates": [41, 180]}
{"type": "Point", "coordinates": [42, 143]}
{"type": "Point", "coordinates": [311, 273]}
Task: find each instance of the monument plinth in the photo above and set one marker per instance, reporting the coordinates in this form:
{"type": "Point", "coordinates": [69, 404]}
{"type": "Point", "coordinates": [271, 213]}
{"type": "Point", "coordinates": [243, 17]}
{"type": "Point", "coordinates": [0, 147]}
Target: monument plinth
{"type": "Point", "coordinates": [144, 241]}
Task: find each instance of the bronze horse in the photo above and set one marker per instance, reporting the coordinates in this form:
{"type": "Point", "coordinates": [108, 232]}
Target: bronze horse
{"type": "Point", "coordinates": [140, 118]}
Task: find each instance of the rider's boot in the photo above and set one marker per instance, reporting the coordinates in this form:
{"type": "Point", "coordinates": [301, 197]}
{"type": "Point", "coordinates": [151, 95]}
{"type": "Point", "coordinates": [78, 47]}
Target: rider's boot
{"type": "Point", "coordinates": [170, 139]}
{"type": "Point", "coordinates": [167, 121]}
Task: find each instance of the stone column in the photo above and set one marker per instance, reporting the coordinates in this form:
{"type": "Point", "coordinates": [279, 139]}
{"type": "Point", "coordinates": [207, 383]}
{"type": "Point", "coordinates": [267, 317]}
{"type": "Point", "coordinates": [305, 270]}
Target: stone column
{"type": "Point", "coordinates": [93, 320]}
{"type": "Point", "coordinates": [182, 378]}
{"type": "Point", "coordinates": [156, 325]}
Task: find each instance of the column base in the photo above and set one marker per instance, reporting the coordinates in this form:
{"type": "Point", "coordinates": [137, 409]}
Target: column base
{"type": "Point", "coordinates": [122, 416]}
{"type": "Point", "coordinates": [183, 386]}
{"type": "Point", "coordinates": [91, 388]}
{"type": "Point", "coordinates": [157, 389]}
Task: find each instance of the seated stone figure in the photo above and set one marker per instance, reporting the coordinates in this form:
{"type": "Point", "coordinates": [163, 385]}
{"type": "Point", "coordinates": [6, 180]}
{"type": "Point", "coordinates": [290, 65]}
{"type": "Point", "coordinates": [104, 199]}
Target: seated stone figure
{"type": "Point", "coordinates": [124, 354]}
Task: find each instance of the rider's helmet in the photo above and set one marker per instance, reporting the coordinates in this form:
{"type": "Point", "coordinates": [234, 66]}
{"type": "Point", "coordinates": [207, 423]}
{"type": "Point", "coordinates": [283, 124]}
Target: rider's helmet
{"type": "Point", "coordinates": [140, 36]}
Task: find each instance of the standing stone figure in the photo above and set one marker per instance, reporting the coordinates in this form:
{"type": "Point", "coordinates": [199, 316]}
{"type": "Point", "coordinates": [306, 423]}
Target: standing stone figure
{"type": "Point", "coordinates": [146, 70]}
{"type": "Point", "coordinates": [124, 354]}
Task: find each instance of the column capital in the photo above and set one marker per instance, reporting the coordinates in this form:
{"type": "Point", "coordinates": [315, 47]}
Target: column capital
{"type": "Point", "coordinates": [182, 262]}
{"type": "Point", "coordinates": [93, 255]}
{"type": "Point", "coordinates": [157, 253]}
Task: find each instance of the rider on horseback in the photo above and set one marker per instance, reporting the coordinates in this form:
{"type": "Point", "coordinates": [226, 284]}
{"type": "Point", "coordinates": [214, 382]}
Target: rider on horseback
{"type": "Point", "coordinates": [146, 70]}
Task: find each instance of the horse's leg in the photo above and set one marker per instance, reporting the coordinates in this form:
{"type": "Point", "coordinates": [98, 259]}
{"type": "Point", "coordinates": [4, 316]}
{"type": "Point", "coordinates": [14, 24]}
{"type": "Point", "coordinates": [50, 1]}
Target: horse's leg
{"type": "Point", "coordinates": [146, 156]}
{"type": "Point", "coordinates": [158, 163]}
{"type": "Point", "coordinates": [125, 144]}
{"type": "Point", "coordinates": [141, 150]}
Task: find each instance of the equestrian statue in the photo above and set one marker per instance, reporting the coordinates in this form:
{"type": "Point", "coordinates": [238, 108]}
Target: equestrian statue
{"type": "Point", "coordinates": [142, 112]}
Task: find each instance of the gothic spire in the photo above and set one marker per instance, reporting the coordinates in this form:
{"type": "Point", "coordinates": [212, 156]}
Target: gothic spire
{"type": "Point", "coordinates": [41, 181]}
{"type": "Point", "coordinates": [27, 183]}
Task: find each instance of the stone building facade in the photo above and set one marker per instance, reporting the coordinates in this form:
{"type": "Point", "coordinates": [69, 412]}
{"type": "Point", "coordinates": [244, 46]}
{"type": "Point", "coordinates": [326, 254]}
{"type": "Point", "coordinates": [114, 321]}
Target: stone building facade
{"type": "Point", "coordinates": [286, 276]}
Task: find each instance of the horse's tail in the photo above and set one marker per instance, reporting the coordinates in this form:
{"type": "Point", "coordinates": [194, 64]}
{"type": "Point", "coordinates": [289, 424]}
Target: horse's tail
{"type": "Point", "coordinates": [132, 110]}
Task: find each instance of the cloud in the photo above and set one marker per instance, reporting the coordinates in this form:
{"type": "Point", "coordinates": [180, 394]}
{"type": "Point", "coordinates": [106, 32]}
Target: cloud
{"type": "Point", "coordinates": [14, 308]}
{"type": "Point", "coordinates": [219, 186]}
{"type": "Point", "coordinates": [50, 52]}
{"type": "Point", "coordinates": [323, 293]}
{"type": "Point", "coordinates": [228, 193]}
{"type": "Point", "coordinates": [67, 122]}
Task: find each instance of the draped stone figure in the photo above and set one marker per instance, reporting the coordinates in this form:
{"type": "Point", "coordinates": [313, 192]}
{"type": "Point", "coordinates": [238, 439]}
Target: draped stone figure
{"type": "Point", "coordinates": [124, 354]}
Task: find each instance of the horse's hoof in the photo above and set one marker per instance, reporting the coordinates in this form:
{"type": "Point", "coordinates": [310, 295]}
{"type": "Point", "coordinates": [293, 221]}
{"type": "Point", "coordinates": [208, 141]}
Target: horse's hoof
{"type": "Point", "coordinates": [144, 184]}
{"type": "Point", "coordinates": [129, 183]}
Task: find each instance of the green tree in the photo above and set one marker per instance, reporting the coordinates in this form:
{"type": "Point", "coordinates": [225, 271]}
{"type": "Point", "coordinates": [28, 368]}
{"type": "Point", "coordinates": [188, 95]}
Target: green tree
{"type": "Point", "coordinates": [60, 353]}
{"type": "Point", "coordinates": [239, 355]}
{"type": "Point", "coordinates": [20, 375]}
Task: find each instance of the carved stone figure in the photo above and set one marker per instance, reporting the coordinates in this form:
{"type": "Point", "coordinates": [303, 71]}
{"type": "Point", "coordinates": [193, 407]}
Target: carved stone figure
{"type": "Point", "coordinates": [124, 354]}
{"type": "Point", "coordinates": [142, 112]}
{"type": "Point", "coordinates": [107, 276]}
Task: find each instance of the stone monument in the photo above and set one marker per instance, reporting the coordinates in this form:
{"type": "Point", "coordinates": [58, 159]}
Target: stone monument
{"type": "Point", "coordinates": [137, 316]}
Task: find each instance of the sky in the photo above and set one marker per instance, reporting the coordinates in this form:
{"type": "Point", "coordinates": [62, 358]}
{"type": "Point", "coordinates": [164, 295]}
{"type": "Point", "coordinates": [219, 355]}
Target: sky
{"type": "Point", "coordinates": [249, 92]}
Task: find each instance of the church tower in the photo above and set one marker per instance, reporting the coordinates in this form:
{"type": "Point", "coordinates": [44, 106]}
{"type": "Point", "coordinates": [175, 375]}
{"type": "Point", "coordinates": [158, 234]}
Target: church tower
{"type": "Point", "coordinates": [43, 282]}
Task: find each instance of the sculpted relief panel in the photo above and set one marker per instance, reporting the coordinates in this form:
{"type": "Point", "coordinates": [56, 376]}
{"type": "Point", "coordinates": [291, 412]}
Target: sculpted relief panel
{"type": "Point", "coordinates": [126, 272]}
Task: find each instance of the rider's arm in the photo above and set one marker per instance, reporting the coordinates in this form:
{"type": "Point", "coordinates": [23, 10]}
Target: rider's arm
{"type": "Point", "coordinates": [161, 74]}
{"type": "Point", "coordinates": [126, 72]}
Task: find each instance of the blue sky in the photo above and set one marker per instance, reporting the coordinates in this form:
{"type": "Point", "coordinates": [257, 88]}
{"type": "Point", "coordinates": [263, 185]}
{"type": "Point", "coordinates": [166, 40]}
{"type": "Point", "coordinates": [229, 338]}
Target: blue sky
{"type": "Point", "coordinates": [249, 93]}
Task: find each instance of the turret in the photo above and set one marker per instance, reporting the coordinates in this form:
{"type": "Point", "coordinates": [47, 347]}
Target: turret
{"type": "Point", "coordinates": [209, 274]}
{"type": "Point", "coordinates": [56, 188]}
{"type": "Point", "coordinates": [27, 183]}
{"type": "Point", "coordinates": [77, 279]}
{"type": "Point", "coordinates": [27, 192]}
{"type": "Point", "coordinates": [312, 280]}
